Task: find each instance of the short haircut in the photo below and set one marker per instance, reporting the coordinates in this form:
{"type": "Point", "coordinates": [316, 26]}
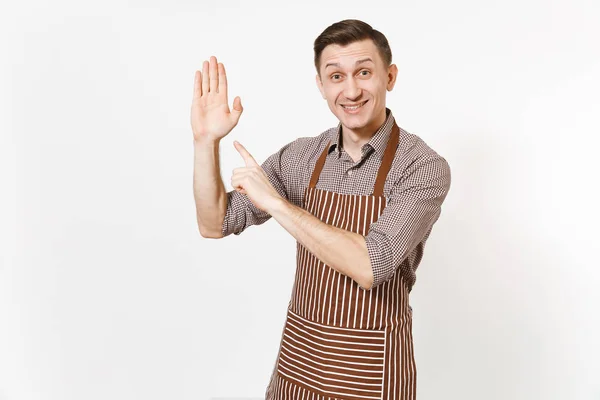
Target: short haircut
{"type": "Point", "coordinates": [349, 31]}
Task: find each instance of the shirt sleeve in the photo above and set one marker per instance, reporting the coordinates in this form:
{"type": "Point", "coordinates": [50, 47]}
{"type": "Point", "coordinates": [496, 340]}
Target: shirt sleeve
{"type": "Point", "coordinates": [413, 207]}
{"type": "Point", "coordinates": [241, 212]}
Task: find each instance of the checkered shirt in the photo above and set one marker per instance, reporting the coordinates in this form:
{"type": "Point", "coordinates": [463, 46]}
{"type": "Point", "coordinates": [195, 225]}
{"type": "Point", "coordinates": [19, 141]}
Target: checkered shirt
{"type": "Point", "coordinates": [415, 189]}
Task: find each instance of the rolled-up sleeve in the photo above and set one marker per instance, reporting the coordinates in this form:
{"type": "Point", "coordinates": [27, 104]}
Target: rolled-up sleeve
{"type": "Point", "coordinates": [413, 206]}
{"type": "Point", "coordinates": [241, 212]}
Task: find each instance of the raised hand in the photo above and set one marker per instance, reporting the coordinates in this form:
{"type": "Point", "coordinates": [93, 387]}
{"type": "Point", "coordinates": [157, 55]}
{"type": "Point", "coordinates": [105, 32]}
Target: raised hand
{"type": "Point", "coordinates": [211, 118]}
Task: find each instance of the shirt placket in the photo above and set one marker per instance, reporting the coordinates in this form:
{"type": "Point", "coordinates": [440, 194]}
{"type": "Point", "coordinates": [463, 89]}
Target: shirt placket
{"type": "Point", "coordinates": [347, 165]}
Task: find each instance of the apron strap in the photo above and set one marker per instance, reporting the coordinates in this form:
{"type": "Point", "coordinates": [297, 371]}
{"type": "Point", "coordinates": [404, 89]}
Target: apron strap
{"type": "Point", "coordinates": [319, 166]}
{"type": "Point", "coordinates": [386, 162]}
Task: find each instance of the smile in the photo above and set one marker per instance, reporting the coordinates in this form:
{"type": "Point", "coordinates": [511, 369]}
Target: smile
{"type": "Point", "coordinates": [355, 107]}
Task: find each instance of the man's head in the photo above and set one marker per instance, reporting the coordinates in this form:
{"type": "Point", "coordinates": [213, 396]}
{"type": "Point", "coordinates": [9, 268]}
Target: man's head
{"type": "Point", "coordinates": [353, 63]}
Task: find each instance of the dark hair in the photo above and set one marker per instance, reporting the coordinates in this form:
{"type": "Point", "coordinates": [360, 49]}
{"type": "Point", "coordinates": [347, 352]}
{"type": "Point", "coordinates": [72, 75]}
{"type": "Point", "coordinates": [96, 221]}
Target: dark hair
{"type": "Point", "coordinates": [349, 31]}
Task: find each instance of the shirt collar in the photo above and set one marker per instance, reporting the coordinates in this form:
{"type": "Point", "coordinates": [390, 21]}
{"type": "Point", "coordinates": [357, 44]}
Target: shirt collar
{"type": "Point", "coordinates": [378, 141]}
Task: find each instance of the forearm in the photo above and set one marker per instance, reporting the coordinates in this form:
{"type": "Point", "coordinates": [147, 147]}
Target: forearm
{"type": "Point", "coordinates": [209, 190]}
{"type": "Point", "coordinates": [342, 250]}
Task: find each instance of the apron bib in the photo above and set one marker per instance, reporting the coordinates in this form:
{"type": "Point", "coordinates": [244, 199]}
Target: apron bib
{"type": "Point", "coordinates": [339, 341]}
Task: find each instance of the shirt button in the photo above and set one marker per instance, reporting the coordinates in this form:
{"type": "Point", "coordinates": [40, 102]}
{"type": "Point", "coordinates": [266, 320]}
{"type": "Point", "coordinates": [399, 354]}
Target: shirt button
{"type": "Point", "coordinates": [350, 172]}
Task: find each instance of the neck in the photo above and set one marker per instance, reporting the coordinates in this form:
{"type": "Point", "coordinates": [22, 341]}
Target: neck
{"type": "Point", "coordinates": [352, 140]}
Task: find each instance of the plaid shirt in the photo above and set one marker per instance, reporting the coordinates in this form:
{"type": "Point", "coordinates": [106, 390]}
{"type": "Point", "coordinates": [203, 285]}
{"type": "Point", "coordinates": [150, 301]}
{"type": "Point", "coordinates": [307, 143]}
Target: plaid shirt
{"type": "Point", "coordinates": [415, 188]}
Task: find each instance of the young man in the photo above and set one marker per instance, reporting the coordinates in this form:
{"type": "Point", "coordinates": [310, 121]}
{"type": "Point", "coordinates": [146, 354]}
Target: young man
{"type": "Point", "coordinates": [360, 199]}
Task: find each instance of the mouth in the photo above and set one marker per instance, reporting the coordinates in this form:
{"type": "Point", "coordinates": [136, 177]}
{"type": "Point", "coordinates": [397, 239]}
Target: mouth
{"type": "Point", "coordinates": [353, 107]}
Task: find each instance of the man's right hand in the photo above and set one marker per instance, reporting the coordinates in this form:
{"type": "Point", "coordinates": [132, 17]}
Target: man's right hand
{"type": "Point", "coordinates": [211, 118]}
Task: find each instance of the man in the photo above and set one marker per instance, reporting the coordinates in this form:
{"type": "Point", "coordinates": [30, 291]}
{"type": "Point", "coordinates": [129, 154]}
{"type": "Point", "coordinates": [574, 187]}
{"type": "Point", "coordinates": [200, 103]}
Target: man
{"type": "Point", "coordinates": [360, 199]}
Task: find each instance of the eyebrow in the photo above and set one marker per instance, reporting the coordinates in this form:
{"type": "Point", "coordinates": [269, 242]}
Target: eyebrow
{"type": "Point", "coordinates": [357, 62]}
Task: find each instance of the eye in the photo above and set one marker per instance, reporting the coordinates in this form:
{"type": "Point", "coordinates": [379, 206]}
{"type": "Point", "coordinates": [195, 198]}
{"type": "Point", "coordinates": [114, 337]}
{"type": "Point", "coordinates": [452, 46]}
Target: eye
{"type": "Point", "coordinates": [365, 70]}
{"type": "Point", "coordinates": [334, 75]}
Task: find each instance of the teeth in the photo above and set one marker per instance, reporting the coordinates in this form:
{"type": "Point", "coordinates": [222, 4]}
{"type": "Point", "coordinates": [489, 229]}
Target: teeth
{"type": "Point", "coordinates": [353, 107]}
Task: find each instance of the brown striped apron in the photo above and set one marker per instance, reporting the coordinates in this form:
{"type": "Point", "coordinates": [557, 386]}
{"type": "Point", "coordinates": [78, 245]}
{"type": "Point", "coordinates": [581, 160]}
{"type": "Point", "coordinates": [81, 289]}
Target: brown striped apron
{"type": "Point", "coordinates": [339, 341]}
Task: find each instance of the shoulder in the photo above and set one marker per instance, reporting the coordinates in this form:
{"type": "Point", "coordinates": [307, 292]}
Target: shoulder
{"type": "Point", "coordinates": [294, 161]}
{"type": "Point", "coordinates": [417, 160]}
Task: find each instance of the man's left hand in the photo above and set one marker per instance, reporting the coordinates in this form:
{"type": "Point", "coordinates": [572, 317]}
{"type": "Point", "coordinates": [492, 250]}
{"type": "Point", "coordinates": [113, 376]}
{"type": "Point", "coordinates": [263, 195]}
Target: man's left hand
{"type": "Point", "coordinates": [252, 181]}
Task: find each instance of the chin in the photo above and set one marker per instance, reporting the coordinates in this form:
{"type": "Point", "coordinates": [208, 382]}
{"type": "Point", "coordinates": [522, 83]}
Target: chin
{"type": "Point", "coordinates": [354, 125]}
{"type": "Point", "coordinates": [355, 121]}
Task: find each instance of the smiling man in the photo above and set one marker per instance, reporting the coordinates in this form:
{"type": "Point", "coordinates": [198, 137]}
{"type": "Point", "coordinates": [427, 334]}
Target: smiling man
{"type": "Point", "coordinates": [360, 199]}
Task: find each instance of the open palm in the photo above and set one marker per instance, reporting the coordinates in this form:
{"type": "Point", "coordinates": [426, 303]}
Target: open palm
{"type": "Point", "coordinates": [211, 118]}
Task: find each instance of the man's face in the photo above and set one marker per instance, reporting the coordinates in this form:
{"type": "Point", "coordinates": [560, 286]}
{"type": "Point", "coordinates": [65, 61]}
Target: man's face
{"type": "Point", "coordinates": [355, 75]}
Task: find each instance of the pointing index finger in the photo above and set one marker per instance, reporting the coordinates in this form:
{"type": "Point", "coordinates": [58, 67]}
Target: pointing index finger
{"type": "Point", "coordinates": [245, 154]}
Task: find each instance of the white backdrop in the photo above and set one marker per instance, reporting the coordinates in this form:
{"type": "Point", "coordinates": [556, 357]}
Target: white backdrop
{"type": "Point", "coordinates": [107, 290]}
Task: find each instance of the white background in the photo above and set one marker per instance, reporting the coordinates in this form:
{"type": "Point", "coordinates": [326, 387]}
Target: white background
{"type": "Point", "coordinates": [107, 290]}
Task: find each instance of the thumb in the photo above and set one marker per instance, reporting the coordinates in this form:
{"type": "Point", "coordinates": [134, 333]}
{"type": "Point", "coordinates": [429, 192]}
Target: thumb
{"type": "Point", "coordinates": [237, 109]}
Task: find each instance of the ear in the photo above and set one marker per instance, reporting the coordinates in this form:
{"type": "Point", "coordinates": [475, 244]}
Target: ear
{"type": "Point", "coordinates": [320, 86]}
{"type": "Point", "coordinates": [392, 75]}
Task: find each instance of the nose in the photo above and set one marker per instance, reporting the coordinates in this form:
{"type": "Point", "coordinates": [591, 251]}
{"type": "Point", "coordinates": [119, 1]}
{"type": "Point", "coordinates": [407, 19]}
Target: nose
{"type": "Point", "coordinates": [351, 89]}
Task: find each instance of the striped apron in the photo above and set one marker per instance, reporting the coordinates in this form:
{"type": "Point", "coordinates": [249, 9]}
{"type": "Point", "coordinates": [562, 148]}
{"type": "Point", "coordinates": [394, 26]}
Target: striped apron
{"type": "Point", "coordinates": [339, 341]}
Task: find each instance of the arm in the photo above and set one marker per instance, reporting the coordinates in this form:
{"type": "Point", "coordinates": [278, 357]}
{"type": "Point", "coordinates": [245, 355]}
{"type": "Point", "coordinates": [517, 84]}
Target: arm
{"type": "Point", "coordinates": [342, 250]}
{"type": "Point", "coordinates": [211, 120]}
{"type": "Point", "coordinates": [370, 260]}
{"type": "Point", "coordinates": [241, 211]}
{"type": "Point", "coordinates": [209, 190]}
{"type": "Point", "coordinates": [413, 207]}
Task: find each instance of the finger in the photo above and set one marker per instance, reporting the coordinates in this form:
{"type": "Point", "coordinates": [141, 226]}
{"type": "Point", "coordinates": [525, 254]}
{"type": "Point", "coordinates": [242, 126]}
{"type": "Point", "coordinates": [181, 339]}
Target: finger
{"type": "Point", "coordinates": [205, 86]}
{"type": "Point", "coordinates": [223, 82]}
{"type": "Point", "coordinates": [214, 78]}
{"type": "Point", "coordinates": [197, 85]}
{"type": "Point", "coordinates": [239, 176]}
{"type": "Point", "coordinates": [236, 182]}
{"type": "Point", "coordinates": [240, 170]}
{"type": "Point", "coordinates": [250, 161]}
{"type": "Point", "coordinates": [236, 112]}
{"type": "Point", "coordinates": [237, 105]}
